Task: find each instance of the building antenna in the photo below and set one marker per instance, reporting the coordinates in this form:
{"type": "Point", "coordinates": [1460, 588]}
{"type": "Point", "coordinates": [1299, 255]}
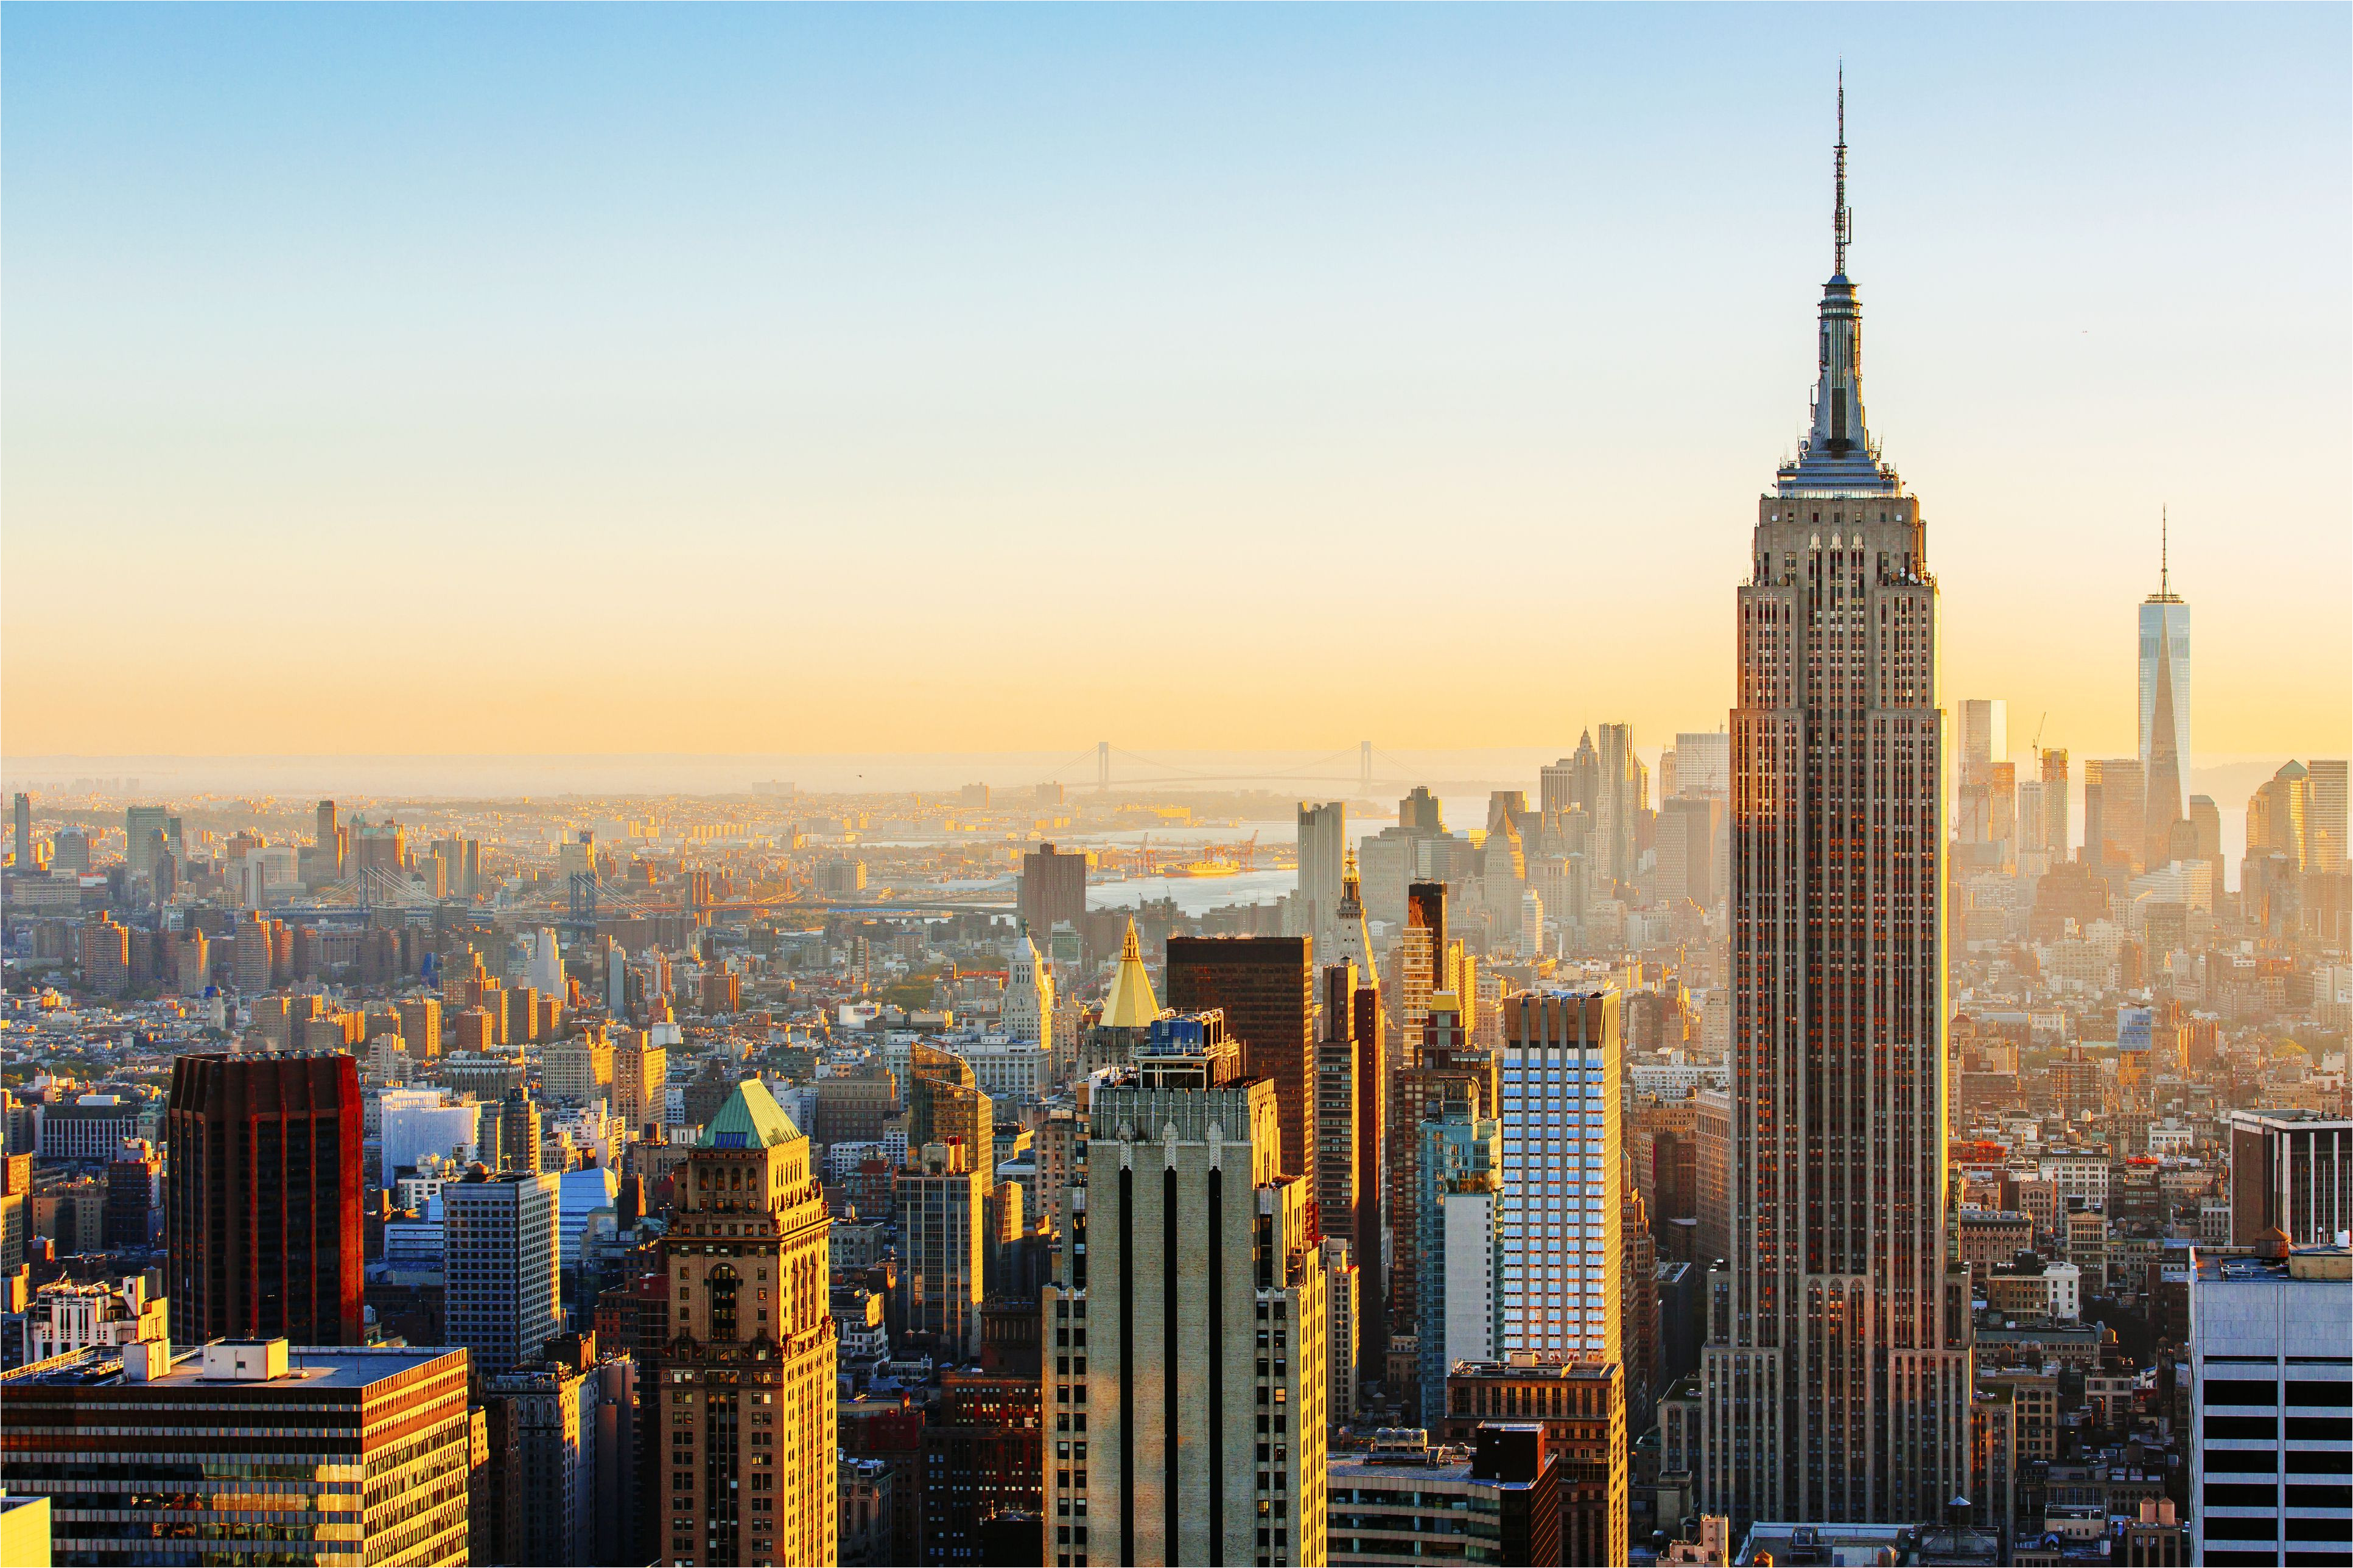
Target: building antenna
{"type": "Point", "coordinates": [1841, 221]}
{"type": "Point", "coordinates": [2164, 557]}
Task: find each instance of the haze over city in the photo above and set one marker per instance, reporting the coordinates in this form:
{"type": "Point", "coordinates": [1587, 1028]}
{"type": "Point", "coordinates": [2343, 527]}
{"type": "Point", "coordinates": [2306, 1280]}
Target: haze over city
{"type": "Point", "coordinates": [1039, 787]}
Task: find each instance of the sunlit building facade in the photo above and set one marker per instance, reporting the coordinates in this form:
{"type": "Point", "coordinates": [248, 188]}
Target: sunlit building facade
{"type": "Point", "coordinates": [1836, 1375]}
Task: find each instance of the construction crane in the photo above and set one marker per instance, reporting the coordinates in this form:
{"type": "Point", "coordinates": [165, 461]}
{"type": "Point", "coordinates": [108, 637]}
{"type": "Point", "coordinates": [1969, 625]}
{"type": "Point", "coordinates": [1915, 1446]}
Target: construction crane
{"type": "Point", "coordinates": [2034, 747]}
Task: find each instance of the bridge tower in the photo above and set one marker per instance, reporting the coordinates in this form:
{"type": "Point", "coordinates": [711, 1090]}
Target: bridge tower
{"type": "Point", "coordinates": [1102, 766]}
{"type": "Point", "coordinates": [1365, 766]}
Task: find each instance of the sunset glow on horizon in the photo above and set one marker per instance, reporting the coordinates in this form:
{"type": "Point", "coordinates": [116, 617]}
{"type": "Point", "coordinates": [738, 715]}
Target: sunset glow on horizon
{"type": "Point", "coordinates": [812, 381]}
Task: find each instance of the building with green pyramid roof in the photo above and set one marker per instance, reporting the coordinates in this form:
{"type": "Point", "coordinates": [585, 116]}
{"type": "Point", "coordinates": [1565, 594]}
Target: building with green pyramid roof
{"type": "Point", "coordinates": [750, 1120]}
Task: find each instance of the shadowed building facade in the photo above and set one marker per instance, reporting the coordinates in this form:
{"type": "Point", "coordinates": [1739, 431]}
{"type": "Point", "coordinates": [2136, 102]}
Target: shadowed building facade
{"type": "Point", "coordinates": [1352, 1078]}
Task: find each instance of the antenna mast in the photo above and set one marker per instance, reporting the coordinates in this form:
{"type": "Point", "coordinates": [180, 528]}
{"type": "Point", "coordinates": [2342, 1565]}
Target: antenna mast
{"type": "Point", "coordinates": [2164, 562]}
{"type": "Point", "coordinates": [1841, 221]}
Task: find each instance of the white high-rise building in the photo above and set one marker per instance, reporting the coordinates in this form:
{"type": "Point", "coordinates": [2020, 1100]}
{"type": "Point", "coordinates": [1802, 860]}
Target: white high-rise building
{"type": "Point", "coordinates": [1028, 1009]}
{"type": "Point", "coordinates": [1351, 942]}
{"type": "Point", "coordinates": [1557, 1107]}
{"type": "Point", "coordinates": [1323, 846]}
{"type": "Point", "coordinates": [1837, 1382]}
{"type": "Point", "coordinates": [544, 970]}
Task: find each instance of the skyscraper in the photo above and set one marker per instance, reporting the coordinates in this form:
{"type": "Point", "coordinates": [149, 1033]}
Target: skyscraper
{"type": "Point", "coordinates": [1266, 989]}
{"type": "Point", "coordinates": [1351, 1082]}
{"type": "Point", "coordinates": [1422, 963]}
{"type": "Point", "coordinates": [1188, 1388]}
{"type": "Point", "coordinates": [2058, 811]}
{"type": "Point", "coordinates": [1837, 1376]}
{"type": "Point", "coordinates": [1323, 846]}
{"type": "Point", "coordinates": [2114, 793]}
{"type": "Point", "coordinates": [502, 1260]}
{"type": "Point", "coordinates": [1703, 766]}
{"type": "Point", "coordinates": [1053, 889]}
{"type": "Point", "coordinates": [420, 1026]}
{"type": "Point", "coordinates": [940, 1194]}
{"type": "Point", "coordinates": [1352, 941]}
{"type": "Point", "coordinates": [1985, 737]}
{"type": "Point", "coordinates": [22, 810]}
{"type": "Point", "coordinates": [640, 1082]}
{"type": "Point", "coordinates": [262, 1199]}
{"type": "Point", "coordinates": [2164, 704]}
{"type": "Point", "coordinates": [145, 830]}
{"type": "Point", "coordinates": [2165, 712]}
{"type": "Point", "coordinates": [2291, 1171]}
{"type": "Point", "coordinates": [519, 1132]}
{"type": "Point", "coordinates": [1557, 1107]}
{"type": "Point", "coordinates": [747, 1375]}
{"type": "Point", "coordinates": [461, 863]}
{"type": "Point", "coordinates": [1621, 795]}
{"type": "Point", "coordinates": [1446, 1061]}
{"type": "Point", "coordinates": [946, 1105]}
{"type": "Point", "coordinates": [1461, 1296]}
{"type": "Point", "coordinates": [2325, 830]}
{"type": "Point", "coordinates": [330, 842]}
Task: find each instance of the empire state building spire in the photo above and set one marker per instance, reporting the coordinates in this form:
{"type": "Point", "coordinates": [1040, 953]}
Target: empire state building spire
{"type": "Point", "coordinates": [1838, 456]}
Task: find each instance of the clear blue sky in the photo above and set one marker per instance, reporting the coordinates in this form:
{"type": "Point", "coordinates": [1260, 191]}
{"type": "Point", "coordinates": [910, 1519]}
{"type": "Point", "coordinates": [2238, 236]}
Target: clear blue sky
{"type": "Point", "coordinates": [1029, 351]}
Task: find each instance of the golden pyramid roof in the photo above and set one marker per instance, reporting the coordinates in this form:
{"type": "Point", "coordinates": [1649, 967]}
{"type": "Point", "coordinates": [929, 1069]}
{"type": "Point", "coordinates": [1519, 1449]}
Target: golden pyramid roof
{"type": "Point", "coordinates": [1131, 1004]}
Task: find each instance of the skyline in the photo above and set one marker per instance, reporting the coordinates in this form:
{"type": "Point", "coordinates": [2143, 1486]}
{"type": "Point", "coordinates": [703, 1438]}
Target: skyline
{"type": "Point", "coordinates": [1166, 292]}
{"type": "Point", "coordinates": [976, 784]}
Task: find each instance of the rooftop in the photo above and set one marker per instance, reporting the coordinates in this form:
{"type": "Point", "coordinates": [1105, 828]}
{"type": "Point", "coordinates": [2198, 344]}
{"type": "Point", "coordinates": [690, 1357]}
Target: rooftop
{"type": "Point", "coordinates": [1835, 1542]}
{"type": "Point", "coordinates": [309, 1368]}
{"type": "Point", "coordinates": [2319, 1265]}
{"type": "Point", "coordinates": [1444, 1466]}
{"type": "Point", "coordinates": [750, 1120]}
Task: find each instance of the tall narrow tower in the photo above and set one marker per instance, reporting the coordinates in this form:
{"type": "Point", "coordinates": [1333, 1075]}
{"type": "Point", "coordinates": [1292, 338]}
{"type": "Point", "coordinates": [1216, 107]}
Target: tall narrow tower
{"type": "Point", "coordinates": [1837, 1367]}
{"type": "Point", "coordinates": [746, 1373]}
{"type": "Point", "coordinates": [2164, 704]}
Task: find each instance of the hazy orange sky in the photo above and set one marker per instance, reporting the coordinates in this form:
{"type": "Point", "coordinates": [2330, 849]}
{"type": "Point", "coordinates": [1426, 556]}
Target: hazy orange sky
{"type": "Point", "coordinates": [594, 381]}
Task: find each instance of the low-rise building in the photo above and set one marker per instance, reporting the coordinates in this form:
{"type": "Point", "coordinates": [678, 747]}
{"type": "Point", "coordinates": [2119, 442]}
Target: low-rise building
{"type": "Point", "coordinates": [1404, 1502]}
{"type": "Point", "coordinates": [348, 1455]}
{"type": "Point", "coordinates": [65, 1316]}
{"type": "Point", "coordinates": [1581, 1407]}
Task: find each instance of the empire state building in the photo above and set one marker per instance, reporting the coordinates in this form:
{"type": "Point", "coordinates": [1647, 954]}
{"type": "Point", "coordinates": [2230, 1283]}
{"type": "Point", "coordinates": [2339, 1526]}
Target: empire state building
{"type": "Point", "coordinates": [1837, 1368]}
